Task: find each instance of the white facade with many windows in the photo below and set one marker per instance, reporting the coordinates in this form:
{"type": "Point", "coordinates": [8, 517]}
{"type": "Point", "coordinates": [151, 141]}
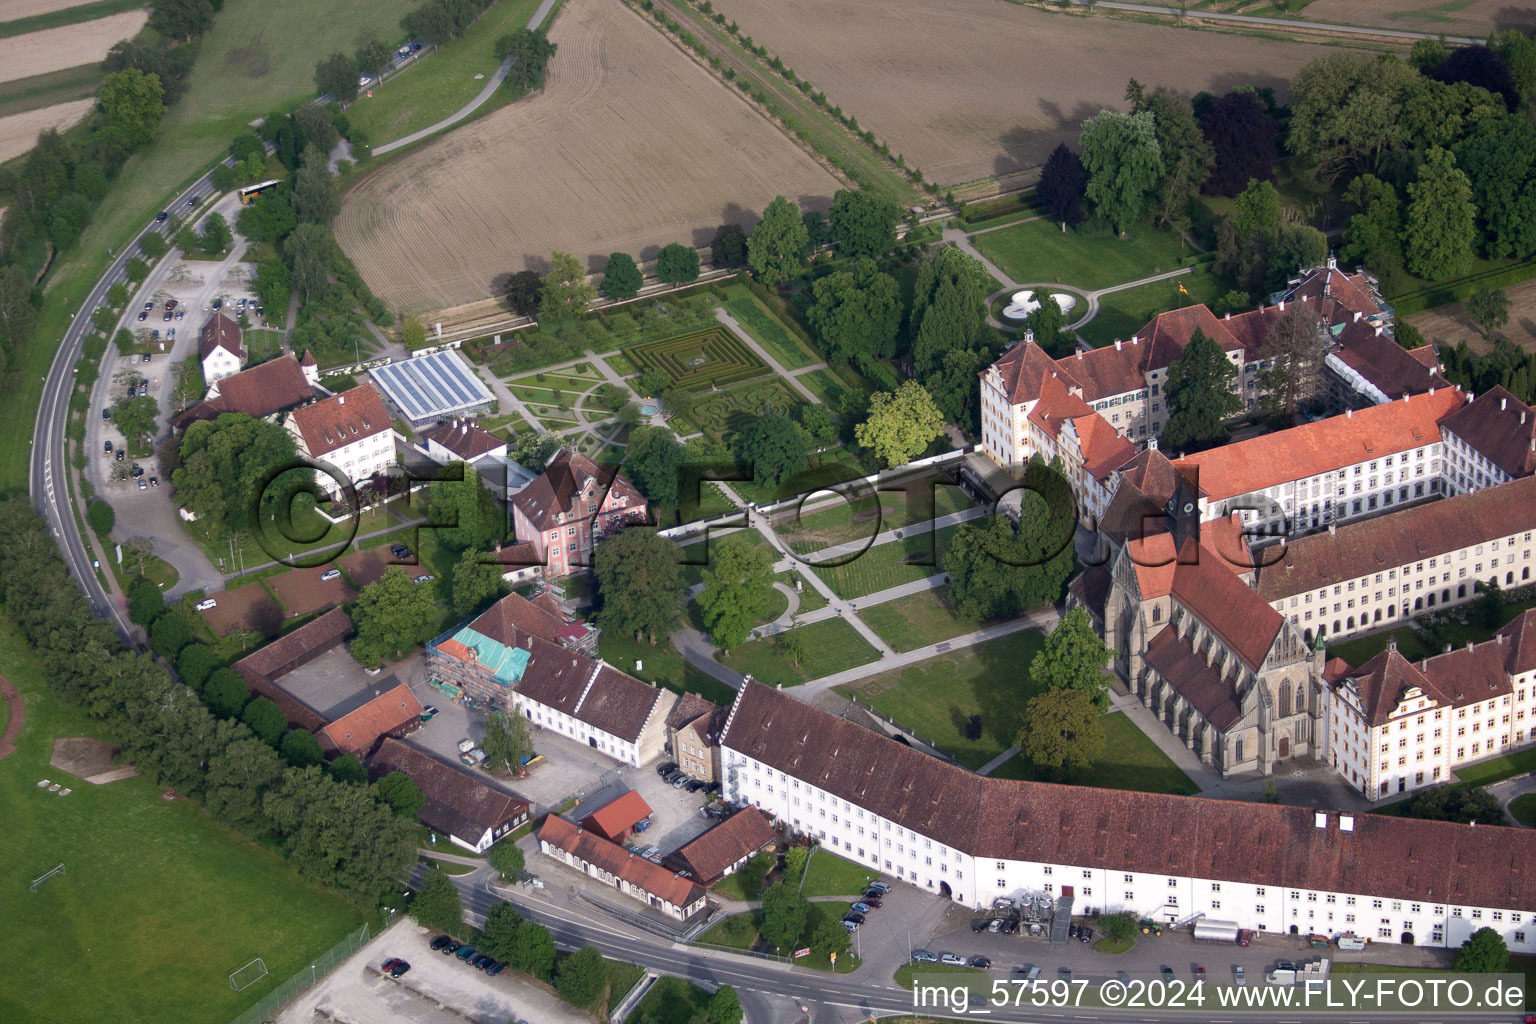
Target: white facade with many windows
{"type": "Point", "coordinates": [1196, 831]}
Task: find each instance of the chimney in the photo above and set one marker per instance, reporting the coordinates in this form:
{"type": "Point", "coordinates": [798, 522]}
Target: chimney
{"type": "Point", "coordinates": [1469, 645]}
{"type": "Point", "coordinates": [1447, 649]}
{"type": "Point", "coordinates": [1282, 305]}
{"type": "Point", "coordinates": [1503, 404]}
{"type": "Point", "coordinates": [1379, 331]}
{"type": "Point", "coordinates": [1357, 316]}
{"type": "Point", "coordinates": [1333, 529]}
{"type": "Point", "coordinates": [1117, 344]}
{"type": "Point", "coordinates": [341, 399]}
{"type": "Point", "coordinates": [1349, 414]}
{"type": "Point", "coordinates": [1392, 642]}
{"type": "Point", "coordinates": [1522, 417]}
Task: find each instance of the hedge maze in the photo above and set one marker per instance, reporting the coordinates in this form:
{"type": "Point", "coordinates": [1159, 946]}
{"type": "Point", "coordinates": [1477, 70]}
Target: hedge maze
{"type": "Point", "coordinates": [710, 357]}
{"type": "Point", "coordinates": [732, 411]}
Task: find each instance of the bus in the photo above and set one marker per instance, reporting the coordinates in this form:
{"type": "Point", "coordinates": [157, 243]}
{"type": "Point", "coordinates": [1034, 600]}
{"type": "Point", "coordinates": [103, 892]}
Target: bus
{"type": "Point", "coordinates": [250, 192]}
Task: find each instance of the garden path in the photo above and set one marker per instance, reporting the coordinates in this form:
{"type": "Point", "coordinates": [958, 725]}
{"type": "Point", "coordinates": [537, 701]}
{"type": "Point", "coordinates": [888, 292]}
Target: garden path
{"type": "Point", "coordinates": [762, 353]}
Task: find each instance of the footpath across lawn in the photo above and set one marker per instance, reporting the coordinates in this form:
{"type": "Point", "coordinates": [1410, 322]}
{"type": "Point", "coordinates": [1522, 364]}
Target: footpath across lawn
{"type": "Point", "coordinates": [1038, 251]}
{"type": "Point", "coordinates": [1130, 761]}
{"type": "Point", "coordinates": [831, 646]}
{"type": "Point", "coordinates": [157, 903]}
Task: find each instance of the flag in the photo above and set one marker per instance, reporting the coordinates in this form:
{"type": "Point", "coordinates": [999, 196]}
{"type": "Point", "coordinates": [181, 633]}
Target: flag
{"type": "Point", "coordinates": [1183, 289]}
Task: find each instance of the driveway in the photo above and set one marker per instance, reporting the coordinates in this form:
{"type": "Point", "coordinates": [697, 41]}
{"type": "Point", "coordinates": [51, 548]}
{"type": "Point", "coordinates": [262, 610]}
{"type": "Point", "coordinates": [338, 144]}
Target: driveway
{"type": "Point", "coordinates": [151, 514]}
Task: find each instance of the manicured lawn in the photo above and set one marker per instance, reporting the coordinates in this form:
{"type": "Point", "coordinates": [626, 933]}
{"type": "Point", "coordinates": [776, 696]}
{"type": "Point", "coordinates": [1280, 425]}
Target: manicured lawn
{"type": "Point", "coordinates": [831, 645]}
{"type": "Point", "coordinates": [914, 557]}
{"type": "Point", "coordinates": [1361, 650]}
{"type": "Point", "coordinates": [917, 620]}
{"type": "Point", "coordinates": [263, 345]}
{"type": "Point", "coordinates": [1516, 762]}
{"type": "Point", "coordinates": [827, 874]}
{"type": "Point", "coordinates": [739, 931]}
{"type": "Point", "coordinates": [781, 343]}
{"type": "Point", "coordinates": [1122, 314]}
{"type": "Point", "coordinates": [973, 977]}
{"type": "Point", "coordinates": [935, 698]}
{"type": "Point", "coordinates": [157, 903]}
{"type": "Point", "coordinates": [442, 82]}
{"type": "Point", "coordinates": [671, 1001]}
{"type": "Point", "coordinates": [1038, 252]}
{"type": "Point", "coordinates": [833, 467]}
{"type": "Point", "coordinates": [810, 597]}
{"type": "Point", "coordinates": [661, 665]}
{"type": "Point", "coordinates": [1523, 807]}
{"type": "Point", "coordinates": [868, 513]}
{"type": "Point", "coordinates": [1130, 761]}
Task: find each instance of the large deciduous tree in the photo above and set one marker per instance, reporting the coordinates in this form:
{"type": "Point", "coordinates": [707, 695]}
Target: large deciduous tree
{"type": "Point", "coordinates": [1489, 308]}
{"type": "Point", "coordinates": [738, 586]}
{"type": "Point", "coordinates": [1499, 160]}
{"type": "Point", "coordinates": [621, 277]}
{"type": "Point", "coordinates": [225, 462]}
{"type": "Point", "coordinates": [784, 915]}
{"type": "Point", "coordinates": [729, 247]}
{"type": "Point", "coordinates": [639, 589]}
{"type": "Point", "coordinates": [1373, 235]}
{"type": "Point", "coordinates": [1243, 137]}
{"type": "Point", "coordinates": [1187, 156]}
{"type": "Point", "coordinates": [1063, 186]}
{"type": "Point", "coordinates": [677, 263]}
{"type": "Point", "coordinates": [337, 75]}
{"type": "Point", "coordinates": [1063, 731]}
{"type": "Point", "coordinates": [1073, 658]}
{"type": "Point", "coordinates": [580, 979]}
{"type": "Point", "coordinates": [524, 291]}
{"type": "Point", "coordinates": [565, 293]}
{"type": "Point", "coordinates": [862, 223]}
{"type": "Point", "coordinates": [392, 615]}
{"type": "Point", "coordinates": [464, 513]}
{"type": "Point", "coordinates": [401, 794]}
{"type": "Point", "coordinates": [1199, 396]}
{"type": "Point", "coordinates": [1441, 220]}
{"type": "Point", "coordinates": [778, 244]}
{"type": "Point", "coordinates": [506, 741]}
{"type": "Point", "coordinates": [653, 462]}
{"type": "Point", "coordinates": [1484, 952]}
{"type": "Point", "coordinates": [900, 425]}
{"type": "Point", "coordinates": [1345, 111]}
{"type": "Point", "coordinates": [774, 447]}
{"type": "Point", "coordinates": [950, 337]}
{"type": "Point", "coordinates": [1125, 165]}
{"type": "Point", "coordinates": [856, 313]}
{"type": "Point", "coordinates": [997, 570]}
{"type": "Point", "coordinates": [437, 905]}
{"type": "Point", "coordinates": [476, 581]}
{"type": "Point", "coordinates": [132, 104]}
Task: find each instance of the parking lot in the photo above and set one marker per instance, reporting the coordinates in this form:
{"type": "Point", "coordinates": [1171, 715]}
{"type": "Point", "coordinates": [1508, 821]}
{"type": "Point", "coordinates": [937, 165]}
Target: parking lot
{"type": "Point", "coordinates": [436, 990]}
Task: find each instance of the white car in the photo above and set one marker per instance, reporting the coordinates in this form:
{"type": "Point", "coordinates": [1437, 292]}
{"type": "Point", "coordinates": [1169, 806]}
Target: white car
{"type": "Point", "coordinates": [1352, 942]}
{"type": "Point", "coordinates": [466, 745]}
{"type": "Point", "coordinates": [952, 960]}
{"type": "Point", "coordinates": [330, 574]}
{"type": "Point", "coordinates": [207, 605]}
{"type": "Point", "coordinates": [363, 81]}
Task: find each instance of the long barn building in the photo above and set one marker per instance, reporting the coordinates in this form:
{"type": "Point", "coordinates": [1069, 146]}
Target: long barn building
{"type": "Point", "coordinates": [1267, 867]}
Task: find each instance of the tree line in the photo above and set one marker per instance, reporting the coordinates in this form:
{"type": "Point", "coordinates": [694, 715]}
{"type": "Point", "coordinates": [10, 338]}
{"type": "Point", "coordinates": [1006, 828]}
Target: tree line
{"type": "Point", "coordinates": [330, 824]}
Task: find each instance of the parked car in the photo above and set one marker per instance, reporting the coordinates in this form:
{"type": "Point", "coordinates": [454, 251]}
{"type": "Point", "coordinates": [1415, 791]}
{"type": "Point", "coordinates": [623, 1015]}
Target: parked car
{"type": "Point", "coordinates": [399, 969]}
{"type": "Point", "coordinates": [106, 414]}
{"type": "Point", "coordinates": [154, 481]}
{"type": "Point", "coordinates": [168, 315]}
{"type": "Point", "coordinates": [142, 485]}
{"type": "Point", "coordinates": [980, 962]}
{"type": "Point", "coordinates": [439, 942]}
{"type": "Point", "coordinates": [466, 953]}
{"type": "Point", "coordinates": [872, 891]}
{"type": "Point", "coordinates": [363, 81]}
{"type": "Point", "coordinates": [1123, 978]}
{"type": "Point", "coordinates": [400, 551]}
{"type": "Point", "coordinates": [170, 332]}
{"type": "Point", "coordinates": [180, 313]}
{"type": "Point", "coordinates": [1009, 926]}
{"type": "Point", "coordinates": [107, 447]}
{"type": "Point", "coordinates": [922, 956]}
{"type": "Point", "coordinates": [1199, 973]}
{"type": "Point", "coordinates": [666, 766]}
{"type": "Point", "coordinates": [495, 969]}
{"type": "Point", "coordinates": [1085, 934]}
{"type": "Point", "coordinates": [389, 964]}
{"type": "Point", "coordinates": [1072, 930]}
{"type": "Point", "coordinates": [148, 306]}
{"type": "Point", "coordinates": [1030, 972]}
{"type": "Point", "coordinates": [880, 887]}
{"type": "Point", "coordinates": [428, 713]}
{"type": "Point", "coordinates": [466, 745]}
{"type": "Point", "coordinates": [163, 214]}
{"type": "Point", "coordinates": [1167, 973]}
{"type": "Point", "coordinates": [191, 200]}
{"type": "Point", "coordinates": [680, 782]}
{"type": "Point", "coordinates": [850, 926]}
{"type": "Point", "coordinates": [424, 578]}
{"type": "Point", "coordinates": [207, 604]}
{"type": "Point", "coordinates": [170, 303]}
{"type": "Point", "coordinates": [452, 948]}
{"type": "Point", "coordinates": [143, 314]}
{"type": "Point", "coordinates": [694, 785]}
{"type": "Point", "coordinates": [480, 962]}
{"type": "Point", "coordinates": [241, 303]}
{"type": "Point", "coordinates": [118, 455]}
{"type": "Point", "coordinates": [860, 908]}
{"type": "Point", "coordinates": [330, 574]}
{"type": "Point", "coordinates": [1239, 975]}
{"type": "Point", "coordinates": [952, 959]}
{"type": "Point", "coordinates": [156, 334]}
{"type": "Point", "coordinates": [143, 388]}
{"type": "Point", "coordinates": [873, 901]}
{"type": "Point", "coordinates": [996, 925]}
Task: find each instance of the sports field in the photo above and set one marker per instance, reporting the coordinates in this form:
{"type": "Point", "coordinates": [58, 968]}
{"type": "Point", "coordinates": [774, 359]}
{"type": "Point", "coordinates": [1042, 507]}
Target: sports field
{"type": "Point", "coordinates": [969, 89]}
{"type": "Point", "coordinates": [629, 146]}
{"type": "Point", "coordinates": [157, 903]}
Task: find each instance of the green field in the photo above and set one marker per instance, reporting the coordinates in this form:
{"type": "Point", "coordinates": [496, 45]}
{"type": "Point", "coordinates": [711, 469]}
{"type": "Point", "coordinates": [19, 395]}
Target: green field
{"type": "Point", "coordinates": [831, 645]}
{"type": "Point", "coordinates": [913, 557]}
{"type": "Point", "coordinates": [671, 1001]}
{"type": "Point", "coordinates": [827, 874]}
{"type": "Point", "coordinates": [443, 81]}
{"type": "Point", "coordinates": [1122, 314]}
{"type": "Point", "coordinates": [1130, 761]}
{"type": "Point", "coordinates": [935, 698]}
{"type": "Point", "coordinates": [24, 94]}
{"type": "Point", "coordinates": [1037, 252]}
{"type": "Point", "coordinates": [791, 351]}
{"type": "Point", "coordinates": [1523, 808]}
{"type": "Point", "coordinates": [917, 620]}
{"type": "Point", "coordinates": [157, 903]}
{"type": "Point", "coordinates": [662, 664]}
{"type": "Point", "coordinates": [867, 513]}
{"type": "Point", "coordinates": [1362, 649]}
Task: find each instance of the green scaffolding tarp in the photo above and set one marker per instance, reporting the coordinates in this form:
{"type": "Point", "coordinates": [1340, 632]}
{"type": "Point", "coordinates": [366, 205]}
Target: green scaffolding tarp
{"type": "Point", "coordinates": [506, 663]}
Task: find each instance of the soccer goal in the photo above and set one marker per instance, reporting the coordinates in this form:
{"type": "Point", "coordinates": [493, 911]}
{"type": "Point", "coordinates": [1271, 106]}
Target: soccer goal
{"type": "Point", "coordinates": [57, 869]}
{"type": "Point", "coordinates": [247, 974]}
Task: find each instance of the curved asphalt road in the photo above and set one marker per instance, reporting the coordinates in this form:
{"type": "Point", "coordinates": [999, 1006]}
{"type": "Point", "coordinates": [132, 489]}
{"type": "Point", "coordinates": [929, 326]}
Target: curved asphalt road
{"type": "Point", "coordinates": [50, 464]}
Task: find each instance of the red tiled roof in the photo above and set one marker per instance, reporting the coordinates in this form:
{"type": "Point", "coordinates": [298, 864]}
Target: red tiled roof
{"type": "Point", "coordinates": [709, 854]}
{"type": "Point", "coordinates": [618, 815]}
{"type": "Point", "coordinates": [359, 729]}
{"type": "Point", "coordinates": [282, 654]}
{"type": "Point", "coordinates": [1116, 830]}
{"type": "Point", "coordinates": [613, 859]}
{"type": "Point", "coordinates": [1166, 337]}
{"type": "Point", "coordinates": [1313, 448]}
{"type": "Point", "coordinates": [1111, 370]}
{"type": "Point", "coordinates": [1348, 290]}
{"type": "Point", "coordinates": [1520, 634]}
{"type": "Point", "coordinates": [1200, 684]}
{"type": "Point", "coordinates": [1394, 370]}
{"type": "Point", "coordinates": [264, 390]}
{"type": "Point", "coordinates": [466, 439]}
{"type": "Point", "coordinates": [1104, 450]}
{"type": "Point", "coordinates": [219, 331]}
{"type": "Point", "coordinates": [514, 618]}
{"type": "Point", "coordinates": [1385, 542]}
{"type": "Point", "coordinates": [309, 359]}
{"type": "Point", "coordinates": [556, 489]}
{"type": "Point", "coordinates": [587, 690]}
{"type": "Point", "coordinates": [1023, 368]}
{"type": "Point", "coordinates": [1226, 604]}
{"type": "Point", "coordinates": [342, 420]}
{"type": "Point", "coordinates": [1501, 428]}
{"type": "Point", "coordinates": [689, 708]}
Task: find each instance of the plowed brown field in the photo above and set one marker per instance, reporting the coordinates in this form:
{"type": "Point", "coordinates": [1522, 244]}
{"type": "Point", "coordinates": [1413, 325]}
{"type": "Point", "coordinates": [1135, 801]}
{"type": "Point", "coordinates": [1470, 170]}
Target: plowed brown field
{"type": "Point", "coordinates": [53, 49]}
{"type": "Point", "coordinates": [629, 146]}
{"type": "Point", "coordinates": [18, 133]}
{"type": "Point", "coordinates": [1477, 18]}
{"type": "Point", "coordinates": [968, 89]}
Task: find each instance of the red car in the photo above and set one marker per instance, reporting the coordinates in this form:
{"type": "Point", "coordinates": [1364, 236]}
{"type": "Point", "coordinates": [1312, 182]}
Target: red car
{"type": "Point", "coordinates": [390, 964]}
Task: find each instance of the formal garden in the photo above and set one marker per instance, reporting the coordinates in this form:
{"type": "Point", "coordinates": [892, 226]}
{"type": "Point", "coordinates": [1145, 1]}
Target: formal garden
{"type": "Point", "coordinates": [733, 409]}
{"type": "Point", "coordinates": [711, 357]}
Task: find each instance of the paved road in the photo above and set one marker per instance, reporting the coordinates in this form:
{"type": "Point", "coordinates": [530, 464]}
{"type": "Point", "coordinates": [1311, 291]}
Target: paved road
{"type": "Point", "coordinates": [1256, 20]}
{"type": "Point", "coordinates": [474, 104]}
{"type": "Point", "coordinates": [50, 463]}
